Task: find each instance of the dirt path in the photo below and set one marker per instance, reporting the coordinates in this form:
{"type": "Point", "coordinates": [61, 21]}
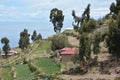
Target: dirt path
{"type": "Point", "coordinates": [73, 41]}
{"type": "Point", "coordinates": [89, 76]}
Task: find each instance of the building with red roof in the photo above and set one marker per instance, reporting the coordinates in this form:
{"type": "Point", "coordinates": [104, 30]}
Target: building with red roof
{"type": "Point", "coordinates": [66, 53]}
{"type": "Point", "coordinates": [10, 53]}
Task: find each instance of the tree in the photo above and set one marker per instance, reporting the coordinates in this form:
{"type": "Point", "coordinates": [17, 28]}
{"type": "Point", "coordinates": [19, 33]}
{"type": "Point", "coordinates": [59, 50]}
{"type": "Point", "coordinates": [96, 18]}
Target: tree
{"type": "Point", "coordinates": [115, 8]}
{"type": "Point", "coordinates": [83, 26]}
{"type": "Point", "coordinates": [113, 37]}
{"type": "Point", "coordinates": [57, 18]}
{"type": "Point", "coordinates": [24, 39]}
{"type": "Point", "coordinates": [39, 37]}
{"type": "Point", "coordinates": [6, 46]}
{"type": "Point", "coordinates": [81, 20]}
{"type": "Point", "coordinates": [85, 48]}
{"type": "Point", "coordinates": [34, 36]}
{"type": "Point", "coordinates": [4, 40]}
{"type": "Point", "coordinates": [86, 13]}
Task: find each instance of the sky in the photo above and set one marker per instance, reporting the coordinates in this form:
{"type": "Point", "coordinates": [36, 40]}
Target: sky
{"type": "Point", "coordinates": [39, 10]}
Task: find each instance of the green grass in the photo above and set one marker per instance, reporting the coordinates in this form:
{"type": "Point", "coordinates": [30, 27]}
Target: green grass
{"type": "Point", "coordinates": [23, 72]}
{"type": "Point", "coordinates": [43, 46]}
{"type": "Point", "coordinates": [5, 74]}
{"type": "Point", "coordinates": [47, 65]}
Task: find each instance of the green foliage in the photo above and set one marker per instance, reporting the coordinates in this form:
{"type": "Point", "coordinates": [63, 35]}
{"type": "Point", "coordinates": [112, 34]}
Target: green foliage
{"type": "Point", "coordinates": [59, 41]}
{"type": "Point", "coordinates": [70, 32]}
{"type": "Point", "coordinates": [83, 26]}
{"type": "Point", "coordinates": [6, 46]}
{"type": "Point", "coordinates": [96, 43]}
{"type": "Point", "coordinates": [34, 36]}
{"type": "Point", "coordinates": [31, 67]}
{"type": "Point", "coordinates": [115, 8]}
{"type": "Point", "coordinates": [86, 14]}
{"type": "Point", "coordinates": [4, 40]}
{"type": "Point", "coordinates": [85, 46]}
{"type": "Point", "coordinates": [80, 20]}
{"type": "Point", "coordinates": [39, 37]}
{"type": "Point", "coordinates": [24, 39]}
{"type": "Point", "coordinates": [57, 18]}
{"type": "Point", "coordinates": [113, 38]}
{"type": "Point", "coordinates": [47, 65]}
{"type": "Point", "coordinates": [88, 26]}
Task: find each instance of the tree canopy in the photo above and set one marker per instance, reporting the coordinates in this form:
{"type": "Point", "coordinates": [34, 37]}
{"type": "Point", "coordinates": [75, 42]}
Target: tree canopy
{"type": "Point", "coordinates": [34, 36]}
{"type": "Point", "coordinates": [6, 46]}
{"type": "Point", "coordinates": [57, 18]}
{"type": "Point", "coordinates": [113, 37]}
{"type": "Point", "coordinates": [115, 8]}
{"type": "Point", "coordinates": [80, 20]}
{"type": "Point", "coordinates": [24, 40]}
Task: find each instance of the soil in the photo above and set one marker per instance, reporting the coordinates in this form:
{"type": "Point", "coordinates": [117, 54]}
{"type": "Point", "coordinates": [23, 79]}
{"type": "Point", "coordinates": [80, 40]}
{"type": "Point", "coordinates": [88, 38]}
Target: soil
{"type": "Point", "coordinates": [73, 41]}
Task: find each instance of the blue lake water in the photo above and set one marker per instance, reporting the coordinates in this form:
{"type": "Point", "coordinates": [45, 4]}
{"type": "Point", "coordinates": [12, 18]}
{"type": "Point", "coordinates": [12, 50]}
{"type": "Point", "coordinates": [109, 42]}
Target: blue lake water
{"type": "Point", "coordinates": [12, 30]}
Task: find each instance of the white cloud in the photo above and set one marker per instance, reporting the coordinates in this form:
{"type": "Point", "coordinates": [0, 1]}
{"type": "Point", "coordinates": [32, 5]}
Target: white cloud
{"type": "Point", "coordinates": [38, 9]}
{"type": "Point", "coordinates": [8, 11]}
{"type": "Point", "coordinates": [101, 9]}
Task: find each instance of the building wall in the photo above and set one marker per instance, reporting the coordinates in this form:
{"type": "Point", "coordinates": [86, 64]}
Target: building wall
{"type": "Point", "coordinates": [66, 58]}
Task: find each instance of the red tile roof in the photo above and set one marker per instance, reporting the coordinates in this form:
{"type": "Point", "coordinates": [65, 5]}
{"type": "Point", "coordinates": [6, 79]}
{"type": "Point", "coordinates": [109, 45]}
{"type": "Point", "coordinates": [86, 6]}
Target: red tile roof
{"type": "Point", "coordinates": [68, 51]}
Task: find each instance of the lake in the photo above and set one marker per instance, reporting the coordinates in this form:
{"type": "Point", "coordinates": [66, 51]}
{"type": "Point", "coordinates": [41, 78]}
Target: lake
{"type": "Point", "coordinates": [12, 30]}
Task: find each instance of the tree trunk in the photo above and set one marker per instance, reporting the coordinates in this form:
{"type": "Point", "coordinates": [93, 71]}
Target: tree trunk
{"type": "Point", "coordinates": [81, 63]}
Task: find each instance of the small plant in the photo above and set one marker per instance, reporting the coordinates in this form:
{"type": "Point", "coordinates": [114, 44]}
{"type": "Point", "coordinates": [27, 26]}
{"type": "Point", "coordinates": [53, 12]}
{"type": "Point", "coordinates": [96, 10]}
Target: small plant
{"type": "Point", "coordinates": [31, 67]}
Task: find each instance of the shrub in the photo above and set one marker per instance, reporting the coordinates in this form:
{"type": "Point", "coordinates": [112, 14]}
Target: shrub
{"type": "Point", "coordinates": [59, 41]}
{"type": "Point", "coordinates": [31, 67]}
{"type": "Point", "coordinates": [69, 32]}
{"type": "Point", "coordinates": [77, 70]}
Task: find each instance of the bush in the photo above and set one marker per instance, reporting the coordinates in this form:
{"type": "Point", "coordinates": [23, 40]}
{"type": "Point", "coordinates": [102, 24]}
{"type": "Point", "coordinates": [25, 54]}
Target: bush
{"type": "Point", "coordinates": [77, 70]}
{"type": "Point", "coordinates": [69, 32]}
{"type": "Point", "coordinates": [25, 61]}
{"type": "Point", "coordinates": [59, 41]}
{"type": "Point", "coordinates": [71, 71]}
{"type": "Point", "coordinates": [31, 67]}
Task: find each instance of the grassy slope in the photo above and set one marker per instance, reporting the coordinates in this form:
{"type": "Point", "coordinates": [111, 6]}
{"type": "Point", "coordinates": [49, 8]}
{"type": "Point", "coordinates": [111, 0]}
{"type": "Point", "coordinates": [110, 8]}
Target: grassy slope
{"type": "Point", "coordinates": [23, 72]}
{"type": "Point", "coordinates": [35, 50]}
{"type": "Point", "coordinates": [47, 65]}
{"type": "Point", "coordinates": [44, 46]}
{"type": "Point", "coordinates": [5, 74]}
{"type": "Point", "coordinates": [41, 49]}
